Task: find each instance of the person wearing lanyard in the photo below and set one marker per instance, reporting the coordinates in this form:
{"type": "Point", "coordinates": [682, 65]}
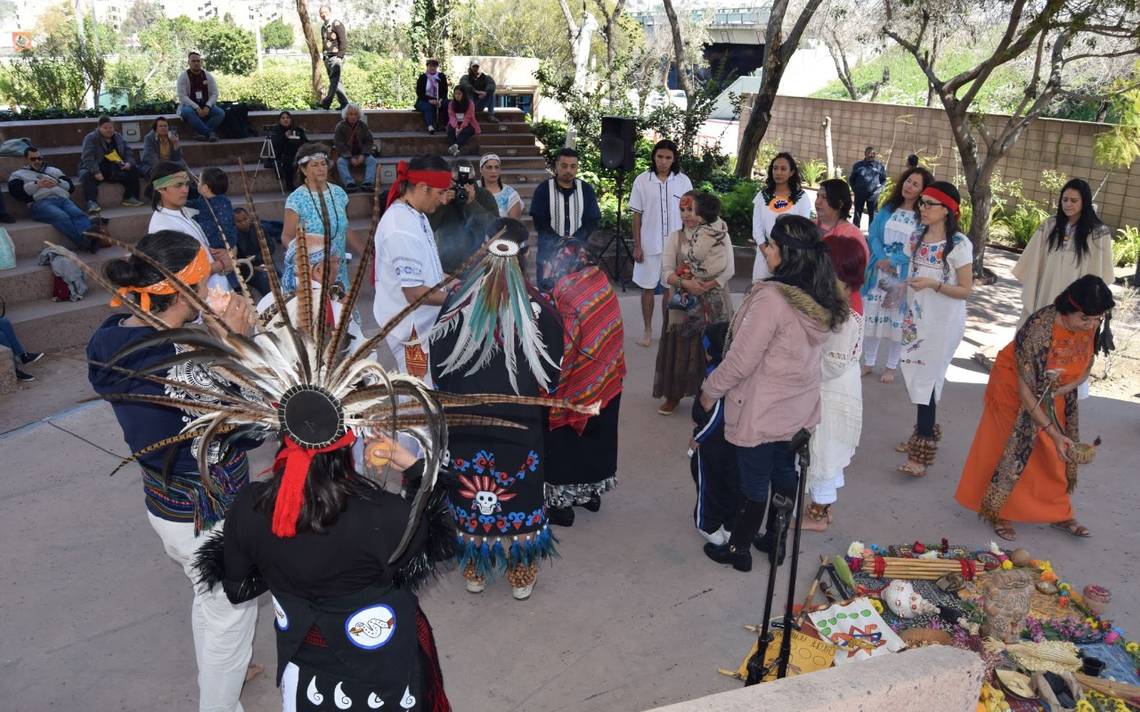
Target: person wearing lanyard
{"type": "Point", "coordinates": [171, 185]}
{"type": "Point", "coordinates": [655, 201]}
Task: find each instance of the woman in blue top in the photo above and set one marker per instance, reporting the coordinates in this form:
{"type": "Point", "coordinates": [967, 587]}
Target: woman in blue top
{"type": "Point", "coordinates": [305, 207]}
{"type": "Point", "coordinates": [885, 287]}
{"type": "Point", "coordinates": [180, 505]}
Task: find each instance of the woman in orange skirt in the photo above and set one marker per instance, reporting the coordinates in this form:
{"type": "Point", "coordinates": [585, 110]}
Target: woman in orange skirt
{"type": "Point", "coordinates": [1019, 468]}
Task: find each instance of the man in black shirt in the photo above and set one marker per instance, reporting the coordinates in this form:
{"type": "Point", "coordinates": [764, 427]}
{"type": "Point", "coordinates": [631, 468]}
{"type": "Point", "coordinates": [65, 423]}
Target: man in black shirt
{"type": "Point", "coordinates": [335, 42]}
{"type": "Point", "coordinates": [867, 179]}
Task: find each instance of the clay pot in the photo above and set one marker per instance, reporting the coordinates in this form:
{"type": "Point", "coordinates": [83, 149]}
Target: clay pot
{"type": "Point", "coordinates": [1097, 599]}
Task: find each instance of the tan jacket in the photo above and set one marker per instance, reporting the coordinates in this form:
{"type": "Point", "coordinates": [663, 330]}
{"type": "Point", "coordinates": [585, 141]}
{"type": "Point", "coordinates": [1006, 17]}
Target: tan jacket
{"type": "Point", "coordinates": [707, 250]}
{"type": "Point", "coordinates": [770, 375]}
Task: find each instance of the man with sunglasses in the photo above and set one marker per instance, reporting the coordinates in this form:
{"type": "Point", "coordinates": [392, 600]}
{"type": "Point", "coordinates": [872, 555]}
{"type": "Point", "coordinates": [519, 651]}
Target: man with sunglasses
{"type": "Point", "coordinates": [47, 191]}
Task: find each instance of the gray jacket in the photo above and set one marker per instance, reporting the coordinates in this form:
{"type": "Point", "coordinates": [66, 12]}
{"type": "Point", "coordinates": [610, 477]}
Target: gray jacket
{"type": "Point", "coordinates": [484, 82]}
{"type": "Point", "coordinates": [27, 179]}
{"type": "Point", "coordinates": [92, 152]}
{"type": "Point", "coordinates": [151, 157]}
{"type": "Point", "coordinates": [342, 139]}
{"type": "Point", "coordinates": [182, 91]}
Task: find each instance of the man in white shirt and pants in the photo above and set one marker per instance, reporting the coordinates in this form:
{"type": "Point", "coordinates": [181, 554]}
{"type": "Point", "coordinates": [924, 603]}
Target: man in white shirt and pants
{"type": "Point", "coordinates": [656, 204]}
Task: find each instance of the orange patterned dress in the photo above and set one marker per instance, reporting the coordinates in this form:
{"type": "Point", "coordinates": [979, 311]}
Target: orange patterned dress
{"type": "Point", "coordinates": [1041, 493]}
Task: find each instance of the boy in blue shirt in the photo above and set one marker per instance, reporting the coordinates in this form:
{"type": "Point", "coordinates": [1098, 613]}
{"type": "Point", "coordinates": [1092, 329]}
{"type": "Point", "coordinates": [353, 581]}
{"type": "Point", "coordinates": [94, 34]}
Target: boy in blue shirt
{"type": "Point", "coordinates": [712, 459]}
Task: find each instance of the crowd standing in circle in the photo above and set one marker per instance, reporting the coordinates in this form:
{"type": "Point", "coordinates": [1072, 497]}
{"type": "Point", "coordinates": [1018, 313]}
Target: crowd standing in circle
{"type": "Point", "coordinates": [824, 301]}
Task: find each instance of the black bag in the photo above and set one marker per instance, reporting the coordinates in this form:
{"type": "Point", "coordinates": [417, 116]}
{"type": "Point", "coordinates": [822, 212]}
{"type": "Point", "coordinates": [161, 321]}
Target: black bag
{"type": "Point", "coordinates": [236, 123]}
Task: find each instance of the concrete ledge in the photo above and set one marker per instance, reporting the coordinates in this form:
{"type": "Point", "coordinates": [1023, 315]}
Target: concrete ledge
{"type": "Point", "coordinates": [937, 677]}
{"type": "Point", "coordinates": [7, 374]}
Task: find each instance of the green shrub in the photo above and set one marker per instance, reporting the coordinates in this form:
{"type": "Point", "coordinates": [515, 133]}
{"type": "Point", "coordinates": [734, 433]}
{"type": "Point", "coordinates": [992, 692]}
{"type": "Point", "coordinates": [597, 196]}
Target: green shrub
{"type": "Point", "coordinates": [813, 172]}
{"type": "Point", "coordinates": [1126, 246]}
{"type": "Point", "coordinates": [278, 87]}
{"type": "Point", "coordinates": [736, 210]}
{"type": "Point", "coordinates": [1015, 227]}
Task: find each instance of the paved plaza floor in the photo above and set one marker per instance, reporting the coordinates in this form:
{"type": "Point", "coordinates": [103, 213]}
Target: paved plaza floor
{"type": "Point", "coordinates": [95, 617]}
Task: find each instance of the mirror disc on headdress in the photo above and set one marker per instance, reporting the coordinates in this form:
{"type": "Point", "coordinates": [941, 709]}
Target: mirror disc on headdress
{"type": "Point", "coordinates": [311, 416]}
{"type": "Point", "coordinates": [503, 248]}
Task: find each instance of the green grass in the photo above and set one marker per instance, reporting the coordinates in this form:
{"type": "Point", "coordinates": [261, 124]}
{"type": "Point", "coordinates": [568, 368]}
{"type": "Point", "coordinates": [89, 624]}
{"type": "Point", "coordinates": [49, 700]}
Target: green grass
{"type": "Point", "coordinates": [907, 85]}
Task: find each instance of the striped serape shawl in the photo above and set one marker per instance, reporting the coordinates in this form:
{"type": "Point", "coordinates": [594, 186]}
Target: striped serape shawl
{"type": "Point", "coordinates": [593, 359]}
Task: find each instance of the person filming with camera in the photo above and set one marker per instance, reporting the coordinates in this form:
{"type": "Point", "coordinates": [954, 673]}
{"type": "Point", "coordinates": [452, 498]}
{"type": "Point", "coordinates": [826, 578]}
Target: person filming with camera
{"type": "Point", "coordinates": [460, 223]}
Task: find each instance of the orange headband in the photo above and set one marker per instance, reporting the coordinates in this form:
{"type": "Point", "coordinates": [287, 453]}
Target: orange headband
{"type": "Point", "coordinates": [440, 180]}
{"type": "Point", "coordinates": [191, 274]}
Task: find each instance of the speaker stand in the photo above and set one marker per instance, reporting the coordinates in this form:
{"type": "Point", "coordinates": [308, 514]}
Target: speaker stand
{"type": "Point", "coordinates": [616, 240]}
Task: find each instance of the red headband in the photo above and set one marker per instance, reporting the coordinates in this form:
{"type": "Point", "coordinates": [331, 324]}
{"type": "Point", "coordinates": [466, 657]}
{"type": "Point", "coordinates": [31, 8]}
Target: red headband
{"type": "Point", "coordinates": [434, 178]}
{"type": "Point", "coordinates": [291, 492]}
{"type": "Point", "coordinates": [947, 202]}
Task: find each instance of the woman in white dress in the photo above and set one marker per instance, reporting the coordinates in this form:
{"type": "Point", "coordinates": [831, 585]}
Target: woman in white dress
{"type": "Point", "coordinates": [841, 391]}
{"type": "Point", "coordinates": [940, 279]}
{"type": "Point", "coordinates": [491, 178]}
{"type": "Point", "coordinates": [887, 240]}
{"type": "Point", "coordinates": [1065, 248]}
{"type": "Point", "coordinates": [781, 195]}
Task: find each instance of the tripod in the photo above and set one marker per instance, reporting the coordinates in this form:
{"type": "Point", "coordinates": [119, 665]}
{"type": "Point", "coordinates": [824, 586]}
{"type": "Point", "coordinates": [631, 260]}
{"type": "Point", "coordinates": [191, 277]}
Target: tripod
{"type": "Point", "coordinates": [616, 240]}
{"type": "Point", "coordinates": [268, 153]}
{"type": "Point", "coordinates": [782, 507]}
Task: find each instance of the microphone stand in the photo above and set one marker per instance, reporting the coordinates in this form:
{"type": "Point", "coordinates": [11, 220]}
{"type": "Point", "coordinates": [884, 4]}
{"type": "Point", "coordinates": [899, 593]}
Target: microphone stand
{"type": "Point", "coordinates": [617, 240]}
{"type": "Point", "coordinates": [799, 445]}
{"type": "Point", "coordinates": [782, 509]}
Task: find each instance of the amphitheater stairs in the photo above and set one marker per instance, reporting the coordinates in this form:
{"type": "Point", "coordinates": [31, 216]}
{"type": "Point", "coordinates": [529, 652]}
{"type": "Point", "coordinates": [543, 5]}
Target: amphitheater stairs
{"type": "Point", "coordinates": [45, 325]}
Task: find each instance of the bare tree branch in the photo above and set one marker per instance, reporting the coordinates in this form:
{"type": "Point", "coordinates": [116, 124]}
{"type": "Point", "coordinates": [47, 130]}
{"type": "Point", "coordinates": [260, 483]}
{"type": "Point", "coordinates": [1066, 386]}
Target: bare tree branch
{"type": "Point", "coordinates": [678, 51]}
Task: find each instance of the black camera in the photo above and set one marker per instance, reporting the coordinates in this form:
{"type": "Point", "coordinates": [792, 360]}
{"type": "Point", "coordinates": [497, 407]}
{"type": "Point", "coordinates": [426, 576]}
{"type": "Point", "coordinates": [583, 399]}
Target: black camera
{"type": "Point", "coordinates": [459, 184]}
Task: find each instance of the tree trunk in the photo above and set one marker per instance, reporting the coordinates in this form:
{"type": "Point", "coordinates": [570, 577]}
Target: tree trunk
{"type": "Point", "coordinates": [757, 126]}
{"type": "Point", "coordinates": [314, 49]}
{"type": "Point", "coordinates": [982, 200]}
{"type": "Point", "coordinates": [678, 51]}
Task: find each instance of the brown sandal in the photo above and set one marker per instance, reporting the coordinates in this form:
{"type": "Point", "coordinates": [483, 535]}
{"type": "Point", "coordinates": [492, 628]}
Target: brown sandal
{"type": "Point", "coordinates": [911, 468]}
{"type": "Point", "coordinates": [1004, 529]}
{"type": "Point", "coordinates": [818, 517]}
{"type": "Point", "coordinates": [1073, 528]}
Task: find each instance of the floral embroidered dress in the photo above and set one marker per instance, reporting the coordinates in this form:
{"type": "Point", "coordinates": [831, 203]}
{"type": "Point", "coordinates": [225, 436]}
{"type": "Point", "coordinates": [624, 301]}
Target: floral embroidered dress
{"type": "Point", "coordinates": [497, 501]}
{"type": "Point", "coordinates": [934, 323]}
{"type": "Point", "coordinates": [1013, 471]}
{"type": "Point", "coordinates": [882, 318]}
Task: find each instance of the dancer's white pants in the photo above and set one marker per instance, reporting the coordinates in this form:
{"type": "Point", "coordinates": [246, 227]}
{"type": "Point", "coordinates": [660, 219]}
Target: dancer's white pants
{"type": "Point", "coordinates": [223, 632]}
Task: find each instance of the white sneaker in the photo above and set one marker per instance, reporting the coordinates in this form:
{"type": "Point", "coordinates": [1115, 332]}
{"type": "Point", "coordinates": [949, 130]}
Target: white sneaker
{"type": "Point", "coordinates": [453, 149]}
{"type": "Point", "coordinates": [719, 537]}
{"type": "Point", "coordinates": [521, 593]}
{"type": "Point", "coordinates": [475, 586]}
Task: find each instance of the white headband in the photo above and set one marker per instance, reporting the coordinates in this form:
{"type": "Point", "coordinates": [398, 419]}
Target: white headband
{"type": "Point", "coordinates": [312, 157]}
{"type": "Point", "coordinates": [489, 157]}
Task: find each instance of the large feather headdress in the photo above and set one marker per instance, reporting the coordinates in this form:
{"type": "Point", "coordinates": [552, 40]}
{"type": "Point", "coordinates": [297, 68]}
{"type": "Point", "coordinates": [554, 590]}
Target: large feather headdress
{"type": "Point", "coordinates": [492, 310]}
{"type": "Point", "coordinates": [296, 381]}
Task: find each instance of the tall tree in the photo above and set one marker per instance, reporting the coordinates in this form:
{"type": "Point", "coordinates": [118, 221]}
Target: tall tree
{"type": "Point", "coordinates": [678, 51]}
{"type": "Point", "coordinates": [778, 51]}
{"type": "Point", "coordinates": [277, 34]}
{"type": "Point", "coordinates": [850, 34]}
{"type": "Point", "coordinates": [611, 13]}
{"type": "Point", "coordinates": [140, 15]}
{"type": "Point", "coordinates": [431, 28]}
{"type": "Point", "coordinates": [1056, 36]}
{"type": "Point", "coordinates": [314, 49]}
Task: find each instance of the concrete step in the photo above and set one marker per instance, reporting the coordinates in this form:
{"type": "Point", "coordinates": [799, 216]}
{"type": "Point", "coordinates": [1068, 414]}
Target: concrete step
{"type": "Point", "coordinates": [198, 153]}
{"type": "Point", "coordinates": [29, 281]}
{"type": "Point", "coordinates": [28, 236]}
{"type": "Point", "coordinates": [49, 133]}
{"type": "Point", "coordinates": [45, 325]}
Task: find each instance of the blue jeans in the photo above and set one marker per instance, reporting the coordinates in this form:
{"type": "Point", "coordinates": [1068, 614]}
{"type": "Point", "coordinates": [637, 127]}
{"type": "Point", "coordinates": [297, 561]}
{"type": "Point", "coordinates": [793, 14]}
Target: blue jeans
{"type": "Point", "coordinates": [761, 465]}
{"type": "Point", "coordinates": [430, 112]}
{"type": "Point", "coordinates": [63, 215]}
{"type": "Point", "coordinates": [8, 338]}
{"type": "Point", "coordinates": [203, 128]}
{"type": "Point", "coordinates": [487, 102]}
{"type": "Point", "coordinates": [344, 169]}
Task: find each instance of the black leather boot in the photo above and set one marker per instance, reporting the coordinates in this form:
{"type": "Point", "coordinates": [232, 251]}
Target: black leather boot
{"type": "Point", "coordinates": [736, 552]}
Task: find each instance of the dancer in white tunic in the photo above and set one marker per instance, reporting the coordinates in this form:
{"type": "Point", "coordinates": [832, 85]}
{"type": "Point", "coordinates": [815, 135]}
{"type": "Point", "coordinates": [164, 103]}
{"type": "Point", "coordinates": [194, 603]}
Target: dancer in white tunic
{"type": "Point", "coordinates": [884, 288]}
{"type": "Point", "coordinates": [841, 390]}
{"type": "Point", "coordinates": [941, 277]}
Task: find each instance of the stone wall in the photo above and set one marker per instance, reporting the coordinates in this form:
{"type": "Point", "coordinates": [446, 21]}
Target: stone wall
{"type": "Point", "coordinates": [896, 131]}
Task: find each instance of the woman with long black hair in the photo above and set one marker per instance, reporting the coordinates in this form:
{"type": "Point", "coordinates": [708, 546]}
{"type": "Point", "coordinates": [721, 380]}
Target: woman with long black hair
{"type": "Point", "coordinates": [781, 195]}
{"type": "Point", "coordinates": [939, 283]}
{"type": "Point", "coordinates": [769, 395]}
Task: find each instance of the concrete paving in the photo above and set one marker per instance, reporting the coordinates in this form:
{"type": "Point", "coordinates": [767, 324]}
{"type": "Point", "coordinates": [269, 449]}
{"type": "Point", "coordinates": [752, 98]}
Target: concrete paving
{"type": "Point", "coordinates": [94, 616]}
